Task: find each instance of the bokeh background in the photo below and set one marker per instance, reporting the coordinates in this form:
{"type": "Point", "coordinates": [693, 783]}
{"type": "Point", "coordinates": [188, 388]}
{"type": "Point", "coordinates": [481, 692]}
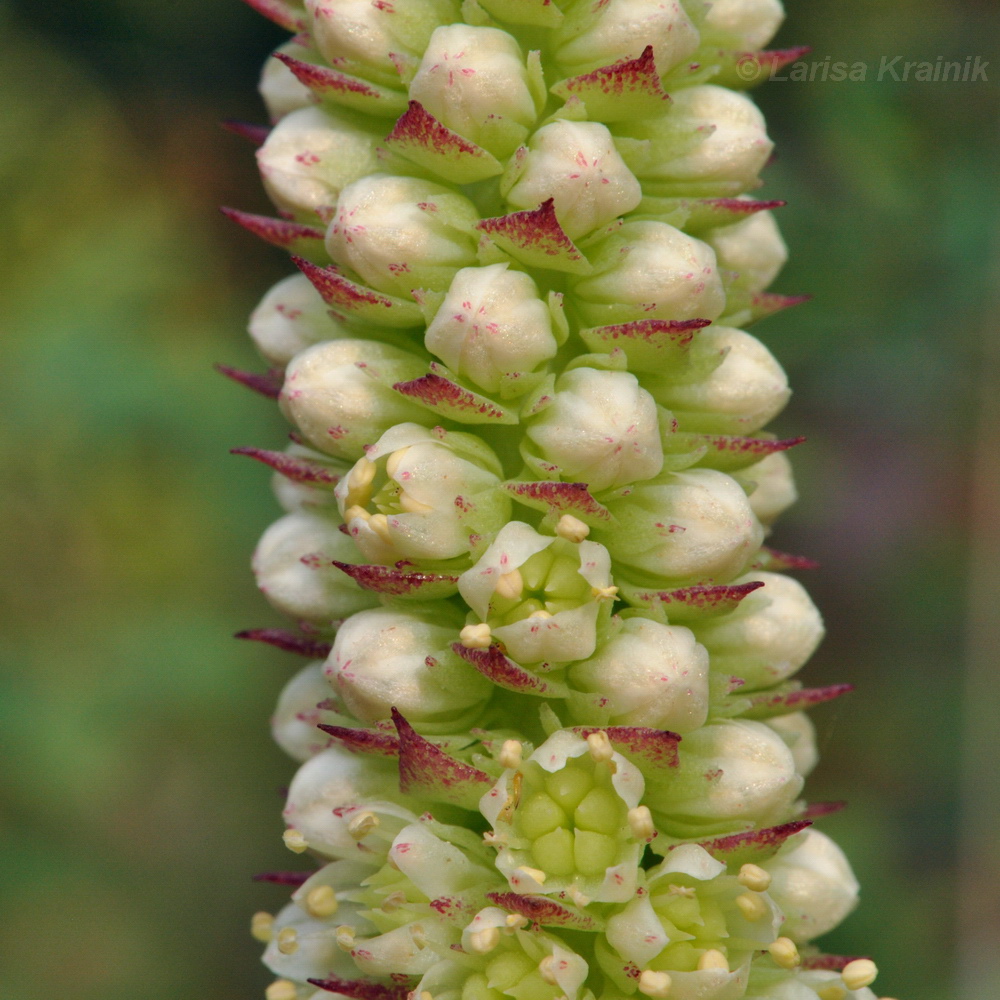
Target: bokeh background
{"type": "Point", "coordinates": [140, 787]}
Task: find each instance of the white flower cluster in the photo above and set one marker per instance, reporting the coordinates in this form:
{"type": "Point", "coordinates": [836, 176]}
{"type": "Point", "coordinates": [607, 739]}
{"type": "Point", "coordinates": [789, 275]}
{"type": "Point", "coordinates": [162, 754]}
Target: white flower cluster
{"type": "Point", "coordinates": [552, 739]}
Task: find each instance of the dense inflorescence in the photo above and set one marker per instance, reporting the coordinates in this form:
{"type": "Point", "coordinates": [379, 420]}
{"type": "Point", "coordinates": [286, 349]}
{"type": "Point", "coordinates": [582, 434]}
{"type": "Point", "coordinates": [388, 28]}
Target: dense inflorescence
{"type": "Point", "coordinates": [551, 738]}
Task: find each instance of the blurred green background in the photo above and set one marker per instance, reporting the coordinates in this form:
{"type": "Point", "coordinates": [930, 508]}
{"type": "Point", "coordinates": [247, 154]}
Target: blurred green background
{"type": "Point", "coordinates": [141, 789]}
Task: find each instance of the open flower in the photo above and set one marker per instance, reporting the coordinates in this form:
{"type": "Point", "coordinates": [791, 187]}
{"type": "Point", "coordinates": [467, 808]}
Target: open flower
{"type": "Point", "coordinates": [422, 495]}
{"type": "Point", "coordinates": [561, 821]}
{"type": "Point", "coordinates": [540, 596]}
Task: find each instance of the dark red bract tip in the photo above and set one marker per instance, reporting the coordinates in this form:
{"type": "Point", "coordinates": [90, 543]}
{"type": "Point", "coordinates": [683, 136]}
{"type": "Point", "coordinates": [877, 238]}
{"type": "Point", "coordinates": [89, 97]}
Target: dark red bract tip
{"type": "Point", "coordinates": [817, 809]}
{"type": "Point", "coordinates": [278, 232]}
{"type": "Point", "coordinates": [832, 963]}
{"type": "Point", "coordinates": [284, 878]}
{"type": "Point", "coordinates": [280, 12]}
{"type": "Point", "coordinates": [299, 470]}
{"type": "Point", "coordinates": [363, 740]}
{"type": "Point", "coordinates": [288, 641]}
{"type": "Point", "coordinates": [256, 134]}
{"type": "Point", "coordinates": [361, 989]}
{"type": "Point", "coordinates": [266, 383]}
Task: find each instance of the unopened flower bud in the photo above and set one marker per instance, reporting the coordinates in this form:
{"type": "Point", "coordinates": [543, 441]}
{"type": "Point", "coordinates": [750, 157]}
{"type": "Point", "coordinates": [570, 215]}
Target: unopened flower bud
{"type": "Point", "coordinates": [649, 270]}
{"type": "Point", "coordinates": [475, 81]}
{"type": "Point", "coordinates": [753, 248]}
{"type": "Point", "coordinates": [297, 714]}
{"type": "Point", "coordinates": [315, 592]}
{"type": "Point", "coordinates": [385, 658]}
{"type": "Point", "coordinates": [402, 233]}
{"type": "Point", "coordinates": [290, 318]}
{"type": "Point", "coordinates": [557, 577]}
{"type": "Point", "coordinates": [799, 734]}
{"type": "Point", "coordinates": [577, 164]}
{"type": "Point", "coordinates": [601, 428]}
{"type": "Point", "coordinates": [769, 636]}
{"type": "Point", "coordinates": [648, 674]}
{"type": "Point", "coordinates": [812, 883]}
{"type": "Point", "coordinates": [491, 323]}
{"type": "Point", "coordinates": [743, 25]}
{"type": "Point", "coordinates": [280, 89]}
{"type": "Point", "coordinates": [773, 490]}
{"type": "Point", "coordinates": [727, 158]}
{"type": "Point", "coordinates": [684, 527]}
{"type": "Point", "coordinates": [310, 156]}
{"type": "Point", "coordinates": [740, 396]}
{"type": "Point", "coordinates": [381, 42]}
{"type": "Point", "coordinates": [438, 492]}
{"type": "Point", "coordinates": [339, 394]}
{"type": "Point", "coordinates": [595, 35]}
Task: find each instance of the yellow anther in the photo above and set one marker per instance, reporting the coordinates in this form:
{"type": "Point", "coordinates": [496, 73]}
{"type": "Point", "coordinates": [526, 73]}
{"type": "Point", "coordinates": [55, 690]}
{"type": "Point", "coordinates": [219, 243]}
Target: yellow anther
{"type": "Point", "coordinates": [684, 891]}
{"type": "Point", "coordinates": [859, 973]}
{"type": "Point", "coordinates": [262, 926]}
{"type": "Point", "coordinates": [393, 901]}
{"type": "Point", "coordinates": [540, 613]}
{"type": "Point", "coordinates": [536, 873]}
{"type": "Point", "coordinates": [572, 528]}
{"type": "Point", "coordinates": [359, 481]}
{"type": "Point", "coordinates": [392, 462]}
{"type": "Point", "coordinates": [511, 753]}
{"type": "Point", "coordinates": [345, 937]}
{"type": "Point", "coordinates": [640, 822]}
{"type": "Point", "coordinates": [510, 586]}
{"type": "Point", "coordinates": [654, 984]}
{"type": "Point", "coordinates": [361, 825]}
{"type": "Point", "coordinates": [418, 936]}
{"type": "Point", "coordinates": [426, 995]}
{"type": "Point", "coordinates": [411, 505]}
{"type": "Point", "coordinates": [600, 746]}
{"type": "Point", "coordinates": [754, 878]}
{"type": "Point", "coordinates": [281, 989]}
{"type": "Point", "coordinates": [379, 523]}
{"type": "Point", "coordinates": [484, 941]}
{"type": "Point", "coordinates": [713, 959]}
{"type": "Point", "coordinates": [321, 902]}
{"type": "Point", "coordinates": [752, 906]}
{"type": "Point", "coordinates": [833, 992]}
{"type": "Point", "coordinates": [294, 840]}
{"type": "Point", "coordinates": [356, 512]}
{"type": "Point", "coordinates": [579, 898]}
{"type": "Point", "coordinates": [515, 921]}
{"type": "Point", "coordinates": [603, 593]}
{"type": "Point", "coordinates": [547, 970]}
{"type": "Point", "coordinates": [476, 636]}
{"type": "Point", "coordinates": [288, 941]}
{"type": "Point", "coordinates": [784, 952]}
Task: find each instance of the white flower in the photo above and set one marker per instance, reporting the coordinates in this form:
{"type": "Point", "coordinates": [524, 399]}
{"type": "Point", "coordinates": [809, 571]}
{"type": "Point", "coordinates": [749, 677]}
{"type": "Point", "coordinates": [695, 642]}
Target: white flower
{"type": "Point", "coordinates": [315, 592]}
{"type": "Point", "coordinates": [310, 156]}
{"type": "Point", "coordinates": [280, 89]}
{"type": "Point", "coordinates": [753, 248]}
{"type": "Point", "coordinates": [595, 35]}
{"type": "Point", "coordinates": [769, 636]}
{"type": "Point", "coordinates": [339, 394]}
{"type": "Point", "coordinates": [297, 714]}
{"type": "Point", "coordinates": [577, 164]}
{"type": "Point", "coordinates": [799, 734]}
{"type": "Point", "coordinates": [649, 270]}
{"type": "Point", "coordinates": [726, 161]}
{"type": "Point", "coordinates": [423, 495]}
{"type": "Point", "coordinates": [647, 674]}
{"type": "Point", "coordinates": [773, 490]}
{"type": "Point", "coordinates": [601, 428]}
{"type": "Point", "coordinates": [474, 80]}
{"type": "Point", "coordinates": [381, 42]}
{"type": "Point", "coordinates": [685, 527]}
{"type": "Point", "coordinates": [812, 882]}
{"type": "Point", "coordinates": [385, 658]}
{"type": "Point", "coordinates": [402, 233]}
{"type": "Point", "coordinates": [290, 318]}
{"type": "Point", "coordinates": [491, 323]}
{"type": "Point", "coordinates": [740, 396]}
{"type": "Point", "coordinates": [294, 495]}
{"type": "Point", "coordinates": [540, 595]}
{"type": "Point", "coordinates": [742, 24]}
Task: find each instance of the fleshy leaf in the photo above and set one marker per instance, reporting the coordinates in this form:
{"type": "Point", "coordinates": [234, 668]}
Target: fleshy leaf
{"type": "Point", "coordinates": [649, 344]}
{"type": "Point", "coordinates": [768, 704]}
{"type": "Point", "coordinates": [361, 989]}
{"type": "Point", "coordinates": [306, 241]}
{"type": "Point", "coordinates": [560, 498]}
{"type": "Point", "coordinates": [284, 878]}
{"type": "Point", "coordinates": [266, 383]}
{"type": "Point", "coordinates": [425, 141]}
{"type": "Point", "coordinates": [640, 744]}
{"type": "Point", "coordinates": [695, 215]}
{"type": "Point", "coordinates": [815, 810]}
{"type": "Point", "coordinates": [692, 603]}
{"type": "Point", "coordinates": [313, 649]}
{"type": "Point", "coordinates": [299, 470]}
{"type": "Point", "coordinates": [753, 846]}
{"type": "Point", "coordinates": [256, 134]}
{"type": "Point", "coordinates": [626, 90]}
{"type": "Point", "coordinates": [536, 239]}
{"type": "Point", "coordinates": [505, 673]}
{"type": "Point", "coordinates": [452, 401]}
{"type": "Point", "coordinates": [392, 581]}
{"type": "Point", "coordinates": [281, 13]}
{"type": "Point", "coordinates": [727, 452]}
{"type": "Point", "coordinates": [776, 562]}
{"type": "Point", "coordinates": [370, 741]}
{"type": "Point", "coordinates": [346, 296]}
{"type": "Point", "coordinates": [741, 70]}
{"type": "Point", "coordinates": [426, 770]}
{"type": "Point", "coordinates": [765, 304]}
{"type": "Point", "coordinates": [341, 88]}
{"type": "Point", "coordinates": [546, 912]}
